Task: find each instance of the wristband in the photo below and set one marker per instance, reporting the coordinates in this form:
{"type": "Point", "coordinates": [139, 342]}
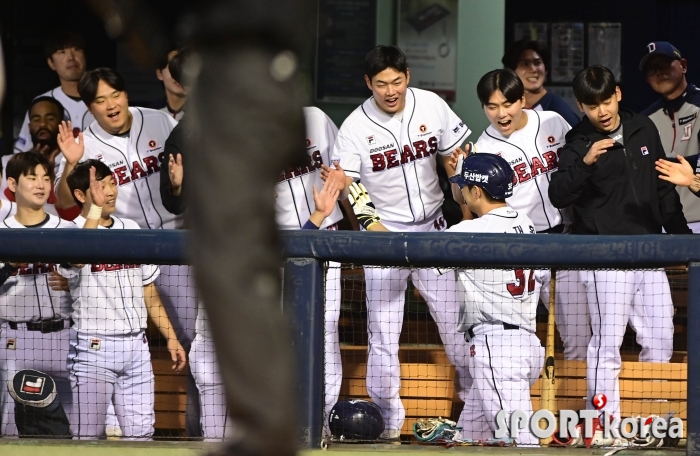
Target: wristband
{"type": "Point", "coordinates": [95, 212]}
{"type": "Point", "coordinates": [309, 225]}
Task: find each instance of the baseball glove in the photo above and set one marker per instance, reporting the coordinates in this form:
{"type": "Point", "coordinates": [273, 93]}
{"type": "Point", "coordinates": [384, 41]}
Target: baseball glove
{"type": "Point", "coordinates": [362, 206]}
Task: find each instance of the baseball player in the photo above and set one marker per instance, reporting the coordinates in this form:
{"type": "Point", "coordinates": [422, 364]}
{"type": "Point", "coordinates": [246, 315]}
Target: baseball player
{"type": "Point", "coordinates": [390, 143]}
{"type": "Point", "coordinates": [34, 315]}
{"type": "Point", "coordinates": [109, 355]}
{"type": "Point", "coordinates": [173, 102]}
{"type": "Point", "coordinates": [66, 56]}
{"type": "Point", "coordinates": [131, 142]}
{"type": "Point", "coordinates": [497, 307]}
{"type": "Point", "coordinates": [531, 141]}
{"type": "Point", "coordinates": [606, 171]}
{"type": "Point", "coordinates": [294, 205]}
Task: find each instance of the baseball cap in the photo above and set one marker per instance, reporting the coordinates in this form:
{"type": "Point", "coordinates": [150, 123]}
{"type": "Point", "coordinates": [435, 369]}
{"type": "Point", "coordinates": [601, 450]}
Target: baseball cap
{"type": "Point", "coordinates": [659, 48]}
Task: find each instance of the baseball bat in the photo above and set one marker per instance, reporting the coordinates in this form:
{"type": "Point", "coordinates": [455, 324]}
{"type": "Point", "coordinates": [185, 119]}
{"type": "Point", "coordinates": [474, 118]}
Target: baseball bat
{"type": "Point", "coordinates": [547, 396]}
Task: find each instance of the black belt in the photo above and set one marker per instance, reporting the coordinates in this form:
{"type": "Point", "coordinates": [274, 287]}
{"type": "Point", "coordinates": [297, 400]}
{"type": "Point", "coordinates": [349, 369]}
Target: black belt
{"type": "Point", "coordinates": [44, 326]}
{"type": "Point", "coordinates": [554, 230]}
{"type": "Point", "coordinates": [505, 326]}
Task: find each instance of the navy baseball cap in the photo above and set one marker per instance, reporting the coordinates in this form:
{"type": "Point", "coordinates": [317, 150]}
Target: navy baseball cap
{"type": "Point", "coordinates": [488, 171]}
{"type": "Point", "coordinates": [659, 48]}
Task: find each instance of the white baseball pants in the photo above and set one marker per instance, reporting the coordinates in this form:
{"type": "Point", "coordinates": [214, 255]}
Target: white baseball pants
{"type": "Point", "coordinates": [571, 311]}
{"type": "Point", "coordinates": [22, 349]}
{"type": "Point", "coordinates": [642, 298]}
{"type": "Point", "coordinates": [504, 364]}
{"type": "Point", "coordinates": [106, 368]}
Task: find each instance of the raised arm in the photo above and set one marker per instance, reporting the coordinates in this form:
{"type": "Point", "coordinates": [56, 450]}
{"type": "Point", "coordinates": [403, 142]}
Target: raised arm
{"type": "Point", "coordinates": [72, 153]}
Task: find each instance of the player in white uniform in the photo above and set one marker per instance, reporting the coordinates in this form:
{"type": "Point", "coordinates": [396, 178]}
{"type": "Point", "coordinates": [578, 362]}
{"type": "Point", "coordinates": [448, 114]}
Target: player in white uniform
{"type": "Point", "coordinates": [497, 307]}
{"type": "Point", "coordinates": [391, 143]}
{"type": "Point", "coordinates": [293, 206]}
{"type": "Point", "coordinates": [109, 354]}
{"type": "Point", "coordinates": [531, 142]}
{"type": "Point", "coordinates": [65, 55]}
{"type": "Point", "coordinates": [34, 317]}
{"type": "Point", "coordinates": [131, 142]}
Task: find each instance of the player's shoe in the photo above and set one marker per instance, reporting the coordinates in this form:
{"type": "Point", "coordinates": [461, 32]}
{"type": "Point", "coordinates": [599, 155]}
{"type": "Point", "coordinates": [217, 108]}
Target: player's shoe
{"type": "Point", "coordinates": [113, 432]}
{"type": "Point", "coordinates": [392, 436]}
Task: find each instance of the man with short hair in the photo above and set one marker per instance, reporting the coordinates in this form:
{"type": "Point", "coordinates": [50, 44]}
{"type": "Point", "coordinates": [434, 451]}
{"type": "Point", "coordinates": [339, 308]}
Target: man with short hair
{"type": "Point", "coordinates": [675, 114]}
{"type": "Point", "coordinates": [391, 143]}
{"type": "Point", "coordinates": [607, 174]}
{"type": "Point", "coordinates": [34, 317]}
{"type": "Point", "coordinates": [175, 94]}
{"type": "Point", "coordinates": [65, 54]}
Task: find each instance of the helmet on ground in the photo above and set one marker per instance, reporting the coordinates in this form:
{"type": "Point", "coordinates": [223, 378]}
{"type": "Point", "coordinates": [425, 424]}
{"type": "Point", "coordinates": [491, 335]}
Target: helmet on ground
{"type": "Point", "coordinates": [356, 420]}
{"type": "Point", "coordinates": [488, 171]}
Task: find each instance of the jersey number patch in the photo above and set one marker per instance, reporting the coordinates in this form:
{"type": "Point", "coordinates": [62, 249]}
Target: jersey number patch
{"type": "Point", "coordinates": [517, 288]}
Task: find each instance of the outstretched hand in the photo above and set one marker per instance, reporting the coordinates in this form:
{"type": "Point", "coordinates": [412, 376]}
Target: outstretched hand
{"type": "Point", "coordinates": [72, 150]}
{"type": "Point", "coordinates": [326, 199]}
{"type": "Point", "coordinates": [676, 173]}
{"type": "Point", "coordinates": [97, 189]}
{"type": "Point", "coordinates": [362, 206]}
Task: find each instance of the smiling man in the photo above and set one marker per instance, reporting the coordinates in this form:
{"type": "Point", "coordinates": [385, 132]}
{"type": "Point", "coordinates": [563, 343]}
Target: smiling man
{"type": "Point", "coordinates": [65, 55]}
{"type": "Point", "coordinates": [129, 140]}
{"type": "Point", "coordinates": [676, 113]}
{"type": "Point", "coordinates": [391, 143]}
{"type": "Point", "coordinates": [607, 173]}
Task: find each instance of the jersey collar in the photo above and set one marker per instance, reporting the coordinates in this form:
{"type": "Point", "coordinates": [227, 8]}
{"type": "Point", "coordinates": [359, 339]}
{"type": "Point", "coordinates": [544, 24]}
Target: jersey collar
{"type": "Point", "coordinates": [506, 212]}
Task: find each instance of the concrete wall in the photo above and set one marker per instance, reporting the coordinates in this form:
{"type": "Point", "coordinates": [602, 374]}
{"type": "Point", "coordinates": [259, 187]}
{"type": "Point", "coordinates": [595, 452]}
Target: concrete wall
{"type": "Point", "coordinates": [480, 44]}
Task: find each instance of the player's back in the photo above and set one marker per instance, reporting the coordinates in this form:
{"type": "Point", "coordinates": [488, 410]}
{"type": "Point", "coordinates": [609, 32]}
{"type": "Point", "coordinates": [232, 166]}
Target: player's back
{"type": "Point", "coordinates": [490, 295]}
{"type": "Point", "coordinates": [108, 298]}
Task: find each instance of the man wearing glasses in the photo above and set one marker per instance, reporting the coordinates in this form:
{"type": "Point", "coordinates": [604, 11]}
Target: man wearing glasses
{"type": "Point", "coordinates": [676, 113]}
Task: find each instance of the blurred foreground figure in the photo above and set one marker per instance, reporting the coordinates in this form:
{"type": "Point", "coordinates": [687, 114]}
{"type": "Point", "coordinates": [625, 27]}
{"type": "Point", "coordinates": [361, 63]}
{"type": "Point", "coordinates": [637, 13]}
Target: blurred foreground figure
{"type": "Point", "coordinates": [247, 121]}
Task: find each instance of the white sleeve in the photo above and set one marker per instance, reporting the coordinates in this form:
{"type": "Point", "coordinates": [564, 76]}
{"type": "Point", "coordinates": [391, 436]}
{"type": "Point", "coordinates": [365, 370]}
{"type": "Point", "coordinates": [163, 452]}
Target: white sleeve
{"type": "Point", "coordinates": [456, 131]}
{"type": "Point", "coordinates": [150, 273]}
{"type": "Point", "coordinates": [346, 152]}
{"type": "Point", "coordinates": [24, 140]}
{"type": "Point", "coordinates": [69, 273]}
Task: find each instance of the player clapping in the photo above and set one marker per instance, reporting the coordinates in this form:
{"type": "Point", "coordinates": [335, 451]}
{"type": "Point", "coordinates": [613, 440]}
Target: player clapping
{"type": "Point", "coordinates": [109, 354]}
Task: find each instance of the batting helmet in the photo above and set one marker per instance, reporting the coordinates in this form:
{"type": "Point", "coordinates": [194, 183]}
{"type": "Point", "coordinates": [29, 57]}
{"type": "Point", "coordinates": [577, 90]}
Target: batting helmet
{"type": "Point", "coordinates": [356, 420]}
{"type": "Point", "coordinates": [488, 171]}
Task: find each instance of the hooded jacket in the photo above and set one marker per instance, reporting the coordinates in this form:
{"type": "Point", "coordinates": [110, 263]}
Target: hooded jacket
{"type": "Point", "coordinates": [621, 193]}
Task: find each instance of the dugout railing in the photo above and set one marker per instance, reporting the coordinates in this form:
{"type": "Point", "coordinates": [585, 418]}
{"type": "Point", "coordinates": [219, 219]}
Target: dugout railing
{"type": "Point", "coordinates": [306, 253]}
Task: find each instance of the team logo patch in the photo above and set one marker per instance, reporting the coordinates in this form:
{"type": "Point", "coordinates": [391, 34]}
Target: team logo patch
{"type": "Point", "coordinates": [76, 132]}
{"type": "Point", "coordinates": [551, 139]}
{"type": "Point", "coordinates": [152, 143]}
{"type": "Point", "coordinates": [95, 344]}
{"type": "Point", "coordinates": [11, 344]}
{"type": "Point", "coordinates": [651, 47]}
{"type": "Point", "coordinates": [472, 351]}
{"type": "Point", "coordinates": [308, 142]}
{"type": "Point", "coordinates": [423, 128]}
{"type": "Point", "coordinates": [645, 151]}
{"type": "Point", "coordinates": [371, 140]}
{"type": "Point", "coordinates": [32, 384]}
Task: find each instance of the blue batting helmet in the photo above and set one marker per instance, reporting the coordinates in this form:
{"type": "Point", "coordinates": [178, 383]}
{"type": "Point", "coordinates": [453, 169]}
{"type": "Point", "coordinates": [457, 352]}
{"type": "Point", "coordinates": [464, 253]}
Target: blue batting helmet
{"type": "Point", "coordinates": [488, 171]}
{"type": "Point", "coordinates": [356, 420]}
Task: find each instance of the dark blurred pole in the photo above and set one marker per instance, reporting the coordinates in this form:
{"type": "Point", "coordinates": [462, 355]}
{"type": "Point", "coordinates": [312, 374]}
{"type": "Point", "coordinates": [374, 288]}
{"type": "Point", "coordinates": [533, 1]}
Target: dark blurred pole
{"type": "Point", "coordinates": [246, 114]}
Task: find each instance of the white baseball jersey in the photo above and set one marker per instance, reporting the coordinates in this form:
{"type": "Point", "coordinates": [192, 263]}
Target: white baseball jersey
{"type": "Point", "coordinates": [135, 163]}
{"type": "Point", "coordinates": [394, 155]}
{"type": "Point", "coordinates": [533, 153]}
{"type": "Point", "coordinates": [108, 298]}
{"type": "Point", "coordinates": [7, 209]}
{"type": "Point", "coordinates": [295, 196]}
{"type": "Point", "coordinates": [73, 109]}
{"type": "Point", "coordinates": [490, 295]}
{"type": "Point", "coordinates": [26, 295]}
{"type": "Point", "coordinates": [177, 115]}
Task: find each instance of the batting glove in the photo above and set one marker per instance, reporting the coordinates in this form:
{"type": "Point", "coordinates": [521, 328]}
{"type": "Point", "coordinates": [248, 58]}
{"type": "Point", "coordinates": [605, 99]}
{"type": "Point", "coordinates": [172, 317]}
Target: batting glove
{"type": "Point", "coordinates": [362, 206]}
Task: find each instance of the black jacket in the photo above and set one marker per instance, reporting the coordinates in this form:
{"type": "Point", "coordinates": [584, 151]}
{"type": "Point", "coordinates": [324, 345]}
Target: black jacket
{"type": "Point", "coordinates": [175, 144]}
{"type": "Point", "coordinates": [620, 193]}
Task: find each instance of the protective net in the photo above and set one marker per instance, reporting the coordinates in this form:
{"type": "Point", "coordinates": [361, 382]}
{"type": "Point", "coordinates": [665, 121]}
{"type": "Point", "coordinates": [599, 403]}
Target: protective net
{"type": "Point", "coordinates": [459, 356]}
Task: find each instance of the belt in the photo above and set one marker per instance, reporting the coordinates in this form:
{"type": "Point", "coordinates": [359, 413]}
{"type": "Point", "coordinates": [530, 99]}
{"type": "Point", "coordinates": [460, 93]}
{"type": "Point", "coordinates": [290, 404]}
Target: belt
{"type": "Point", "coordinates": [470, 331]}
{"type": "Point", "coordinates": [554, 230]}
{"type": "Point", "coordinates": [44, 326]}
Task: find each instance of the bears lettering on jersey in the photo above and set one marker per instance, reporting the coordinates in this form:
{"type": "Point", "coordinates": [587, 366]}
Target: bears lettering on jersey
{"type": "Point", "coordinates": [314, 164]}
{"type": "Point", "coordinates": [36, 268]}
{"type": "Point", "coordinates": [112, 267]}
{"type": "Point", "coordinates": [122, 176]}
{"type": "Point", "coordinates": [387, 159]}
{"type": "Point", "coordinates": [523, 172]}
